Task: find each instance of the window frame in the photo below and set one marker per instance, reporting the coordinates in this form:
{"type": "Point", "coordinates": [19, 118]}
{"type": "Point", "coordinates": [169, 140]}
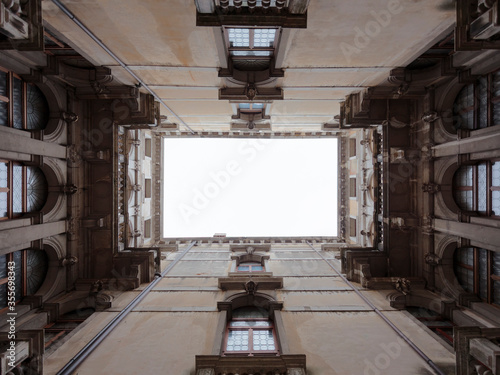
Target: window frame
{"type": "Point", "coordinates": [475, 188]}
{"type": "Point", "coordinates": [250, 264]}
{"type": "Point", "coordinates": [251, 29]}
{"type": "Point", "coordinates": [250, 352]}
{"type": "Point", "coordinates": [24, 276]}
{"type": "Point", "coordinates": [9, 99]}
{"type": "Point", "coordinates": [491, 100]}
{"type": "Point", "coordinates": [9, 189]}
{"type": "Point", "coordinates": [475, 268]}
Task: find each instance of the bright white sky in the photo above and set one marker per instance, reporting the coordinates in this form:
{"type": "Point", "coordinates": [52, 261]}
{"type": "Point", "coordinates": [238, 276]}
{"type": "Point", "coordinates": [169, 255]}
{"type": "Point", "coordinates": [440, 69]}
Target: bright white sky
{"type": "Point", "coordinates": [250, 187]}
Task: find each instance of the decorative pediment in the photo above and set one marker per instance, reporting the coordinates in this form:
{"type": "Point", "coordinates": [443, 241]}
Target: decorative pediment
{"type": "Point", "coordinates": [260, 282]}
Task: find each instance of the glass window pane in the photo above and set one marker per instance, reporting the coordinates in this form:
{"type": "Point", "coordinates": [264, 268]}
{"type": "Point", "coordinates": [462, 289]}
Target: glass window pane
{"type": "Point", "coordinates": [243, 268]}
{"type": "Point", "coordinates": [18, 103]}
{"type": "Point", "coordinates": [264, 37]}
{"type": "Point", "coordinates": [465, 277]}
{"type": "Point", "coordinates": [3, 83]}
{"type": "Point", "coordinates": [4, 182]}
{"type": "Point", "coordinates": [244, 105]}
{"type": "Point", "coordinates": [4, 111]}
{"type": "Point", "coordinates": [4, 107]}
{"type": "Point", "coordinates": [496, 292]}
{"type": "Point", "coordinates": [17, 189]}
{"type": "Point", "coordinates": [3, 296]}
{"type": "Point", "coordinates": [483, 273]}
{"type": "Point", "coordinates": [3, 266]}
{"type": "Point", "coordinates": [239, 37]}
{"type": "Point", "coordinates": [237, 341]}
{"type": "Point", "coordinates": [250, 312]}
{"type": "Point", "coordinates": [482, 188]}
{"type": "Point", "coordinates": [37, 264]}
{"type": "Point", "coordinates": [495, 169]}
{"type": "Point", "coordinates": [37, 108]}
{"type": "Point", "coordinates": [496, 263]}
{"type": "Point", "coordinates": [4, 204]}
{"type": "Point", "coordinates": [249, 323]}
{"type": "Point", "coordinates": [463, 108]}
{"type": "Point", "coordinates": [258, 105]}
{"type": "Point", "coordinates": [495, 202]}
{"type": "Point", "coordinates": [496, 94]}
{"type": "Point", "coordinates": [17, 255]}
{"type": "Point", "coordinates": [482, 87]}
{"type": "Point", "coordinates": [263, 340]}
{"type": "Point", "coordinates": [36, 189]}
{"type": "Point", "coordinates": [257, 268]}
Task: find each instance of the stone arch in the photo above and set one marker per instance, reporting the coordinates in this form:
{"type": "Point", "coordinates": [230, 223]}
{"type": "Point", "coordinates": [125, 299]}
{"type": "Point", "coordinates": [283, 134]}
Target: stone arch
{"type": "Point", "coordinates": [55, 280]}
{"type": "Point", "coordinates": [56, 99]}
{"type": "Point", "coordinates": [445, 126]}
{"type": "Point", "coordinates": [260, 300]}
{"type": "Point", "coordinates": [55, 205]}
{"type": "Point", "coordinates": [445, 275]}
{"type": "Point", "coordinates": [444, 170]}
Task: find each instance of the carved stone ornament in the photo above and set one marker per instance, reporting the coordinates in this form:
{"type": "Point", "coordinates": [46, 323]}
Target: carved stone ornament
{"type": "Point", "coordinates": [403, 285]}
{"type": "Point", "coordinates": [251, 91]}
{"type": "Point", "coordinates": [69, 261]}
{"type": "Point", "coordinates": [251, 287]}
{"type": "Point", "coordinates": [69, 117]}
{"type": "Point", "coordinates": [73, 224]}
{"type": "Point", "coordinates": [74, 155]}
{"type": "Point", "coordinates": [431, 188]}
{"type": "Point", "coordinates": [250, 250]}
{"type": "Point", "coordinates": [205, 371]}
{"type": "Point", "coordinates": [432, 259]}
{"type": "Point", "coordinates": [429, 117]}
{"type": "Point", "coordinates": [69, 189]}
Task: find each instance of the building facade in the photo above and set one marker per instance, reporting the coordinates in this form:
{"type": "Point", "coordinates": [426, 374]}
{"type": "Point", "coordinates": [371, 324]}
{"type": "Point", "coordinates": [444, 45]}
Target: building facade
{"type": "Point", "coordinates": [89, 283]}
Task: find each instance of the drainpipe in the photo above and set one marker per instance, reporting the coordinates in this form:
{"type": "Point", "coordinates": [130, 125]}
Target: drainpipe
{"type": "Point", "coordinates": [117, 59]}
{"type": "Point", "coordinates": [379, 313]}
{"type": "Point", "coordinates": [80, 357]}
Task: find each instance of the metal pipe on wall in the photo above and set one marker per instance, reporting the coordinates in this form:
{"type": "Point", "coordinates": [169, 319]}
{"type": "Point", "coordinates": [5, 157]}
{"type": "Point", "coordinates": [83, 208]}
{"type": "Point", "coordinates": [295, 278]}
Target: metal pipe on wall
{"type": "Point", "coordinates": [380, 314]}
{"type": "Point", "coordinates": [118, 60]}
{"type": "Point", "coordinates": [78, 359]}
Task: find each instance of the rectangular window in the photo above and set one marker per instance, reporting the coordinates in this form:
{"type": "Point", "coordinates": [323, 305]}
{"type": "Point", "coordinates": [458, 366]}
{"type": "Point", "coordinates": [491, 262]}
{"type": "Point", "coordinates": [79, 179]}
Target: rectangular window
{"type": "Point", "coordinates": [250, 267]}
{"type": "Point", "coordinates": [147, 188]}
{"type": "Point", "coordinates": [352, 187]}
{"type": "Point", "coordinates": [148, 148]}
{"type": "Point", "coordinates": [251, 42]}
{"type": "Point", "coordinates": [147, 228]}
{"type": "Point", "coordinates": [352, 227]}
{"type": "Point", "coordinates": [352, 147]}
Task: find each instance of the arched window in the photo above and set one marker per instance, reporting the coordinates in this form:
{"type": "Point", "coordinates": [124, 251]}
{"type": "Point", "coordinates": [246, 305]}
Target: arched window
{"type": "Point", "coordinates": [478, 271]}
{"type": "Point", "coordinates": [30, 268]}
{"type": "Point", "coordinates": [250, 332]}
{"type": "Point", "coordinates": [22, 189]}
{"type": "Point", "coordinates": [22, 105]}
{"type": "Point", "coordinates": [477, 188]}
{"type": "Point", "coordinates": [477, 105]}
